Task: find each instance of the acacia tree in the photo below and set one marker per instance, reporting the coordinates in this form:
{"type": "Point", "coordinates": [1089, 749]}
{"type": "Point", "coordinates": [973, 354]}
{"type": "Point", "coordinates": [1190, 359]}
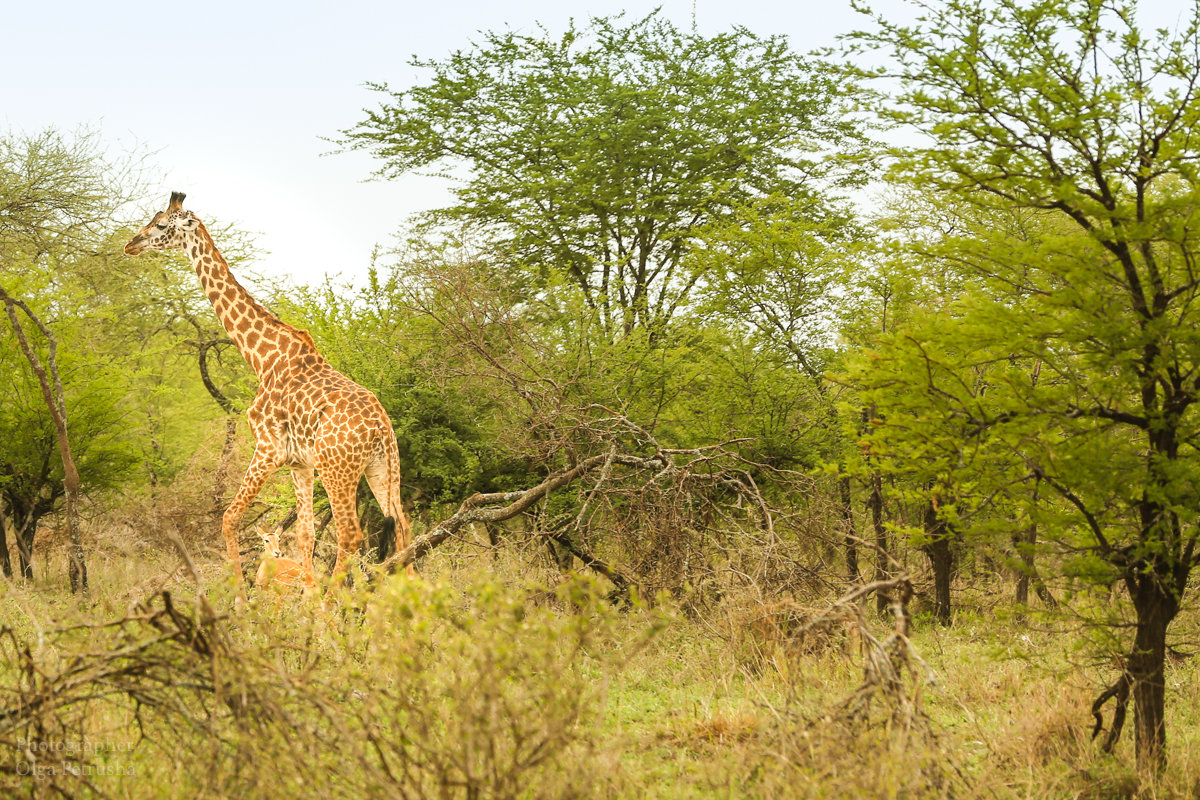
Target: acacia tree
{"type": "Point", "coordinates": [597, 154]}
{"type": "Point", "coordinates": [1068, 110]}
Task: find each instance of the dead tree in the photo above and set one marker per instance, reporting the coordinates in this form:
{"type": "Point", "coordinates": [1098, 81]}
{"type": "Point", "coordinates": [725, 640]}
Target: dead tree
{"type": "Point", "coordinates": [498, 506]}
{"type": "Point", "coordinates": [617, 473]}
{"type": "Point", "coordinates": [886, 660]}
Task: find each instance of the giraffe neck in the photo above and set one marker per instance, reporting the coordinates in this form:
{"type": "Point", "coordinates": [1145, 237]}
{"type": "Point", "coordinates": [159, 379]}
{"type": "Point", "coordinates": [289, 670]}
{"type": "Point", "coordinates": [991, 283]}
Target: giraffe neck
{"type": "Point", "coordinates": [266, 342]}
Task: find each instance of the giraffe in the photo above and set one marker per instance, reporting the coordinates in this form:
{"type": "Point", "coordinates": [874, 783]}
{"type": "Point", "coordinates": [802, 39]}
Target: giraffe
{"type": "Point", "coordinates": [305, 415]}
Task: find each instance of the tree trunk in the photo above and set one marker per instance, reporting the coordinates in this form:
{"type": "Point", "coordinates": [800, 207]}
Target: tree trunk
{"type": "Point", "coordinates": [225, 460]}
{"type": "Point", "coordinates": [76, 562]}
{"type": "Point", "coordinates": [25, 531]}
{"type": "Point", "coordinates": [848, 525]}
{"type": "Point", "coordinates": [221, 474]}
{"type": "Point", "coordinates": [1026, 543]}
{"type": "Point", "coordinates": [1023, 544]}
{"type": "Point", "coordinates": [941, 560]}
{"type": "Point", "coordinates": [875, 506]}
{"type": "Point", "coordinates": [5, 559]}
{"type": "Point", "coordinates": [1155, 607]}
{"type": "Point", "coordinates": [1043, 592]}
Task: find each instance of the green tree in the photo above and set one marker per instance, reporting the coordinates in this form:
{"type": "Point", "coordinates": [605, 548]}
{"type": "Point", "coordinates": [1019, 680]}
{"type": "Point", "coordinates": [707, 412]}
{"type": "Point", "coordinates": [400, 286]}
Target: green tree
{"type": "Point", "coordinates": [596, 155]}
{"type": "Point", "coordinates": [771, 268]}
{"type": "Point", "coordinates": [31, 467]}
{"type": "Point", "coordinates": [1066, 111]}
{"type": "Point", "coordinates": [900, 301]}
{"type": "Point", "coordinates": [58, 198]}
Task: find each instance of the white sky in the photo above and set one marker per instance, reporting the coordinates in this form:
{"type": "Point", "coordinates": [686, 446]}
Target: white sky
{"type": "Point", "coordinates": [233, 97]}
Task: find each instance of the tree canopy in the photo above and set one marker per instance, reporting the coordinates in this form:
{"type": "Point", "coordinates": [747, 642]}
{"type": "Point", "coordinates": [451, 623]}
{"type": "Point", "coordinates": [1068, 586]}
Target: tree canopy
{"type": "Point", "coordinates": [598, 153]}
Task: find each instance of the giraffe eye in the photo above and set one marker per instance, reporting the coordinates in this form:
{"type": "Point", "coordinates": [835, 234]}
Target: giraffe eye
{"type": "Point", "coordinates": [161, 227]}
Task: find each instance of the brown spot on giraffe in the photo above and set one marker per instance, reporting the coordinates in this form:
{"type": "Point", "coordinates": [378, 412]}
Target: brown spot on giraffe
{"type": "Point", "coordinates": [306, 415]}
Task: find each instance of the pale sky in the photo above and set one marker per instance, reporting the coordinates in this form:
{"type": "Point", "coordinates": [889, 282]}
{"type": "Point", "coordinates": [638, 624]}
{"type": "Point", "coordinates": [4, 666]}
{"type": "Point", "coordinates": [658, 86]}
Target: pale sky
{"type": "Point", "coordinates": [233, 98]}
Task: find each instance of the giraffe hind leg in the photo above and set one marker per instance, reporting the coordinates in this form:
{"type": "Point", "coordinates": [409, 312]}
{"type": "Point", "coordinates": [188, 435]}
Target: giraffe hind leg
{"type": "Point", "coordinates": [395, 521]}
{"type": "Point", "coordinates": [342, 497]}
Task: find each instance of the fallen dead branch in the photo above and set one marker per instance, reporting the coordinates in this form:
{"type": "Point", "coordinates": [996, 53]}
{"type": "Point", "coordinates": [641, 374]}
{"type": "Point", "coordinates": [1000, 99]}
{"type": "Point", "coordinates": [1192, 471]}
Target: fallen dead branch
{"type": "Point", "coordinates": [665, 492]}
{"type": "Point", "coordinates": [499, 506]}
{"type": "Point", "coordinates": [881, 721]}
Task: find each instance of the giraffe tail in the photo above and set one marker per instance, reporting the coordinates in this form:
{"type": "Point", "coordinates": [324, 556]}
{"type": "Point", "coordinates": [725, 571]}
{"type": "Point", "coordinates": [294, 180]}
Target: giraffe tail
{"type": "Point", "coordinates": [387, 540]}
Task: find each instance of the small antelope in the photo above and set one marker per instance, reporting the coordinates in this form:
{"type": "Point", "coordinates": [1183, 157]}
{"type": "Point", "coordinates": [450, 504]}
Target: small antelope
{"type": "Point", "coordinates": [279, 573]}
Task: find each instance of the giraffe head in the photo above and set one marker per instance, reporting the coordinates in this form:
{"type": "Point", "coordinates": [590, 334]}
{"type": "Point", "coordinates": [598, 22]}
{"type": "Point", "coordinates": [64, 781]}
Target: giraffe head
{"type": "Point", "coordinates": [168, 229]}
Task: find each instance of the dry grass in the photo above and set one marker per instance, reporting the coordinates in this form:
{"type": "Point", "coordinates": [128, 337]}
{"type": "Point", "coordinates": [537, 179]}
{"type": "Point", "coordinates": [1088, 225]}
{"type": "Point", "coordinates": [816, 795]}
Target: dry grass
{"type": "Point", "coordinates": [458, 686]}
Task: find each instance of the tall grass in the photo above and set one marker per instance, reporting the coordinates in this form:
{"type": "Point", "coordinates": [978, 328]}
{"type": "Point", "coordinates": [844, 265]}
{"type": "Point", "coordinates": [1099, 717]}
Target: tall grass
{"type": "Point", "coordinates": [479, 681]}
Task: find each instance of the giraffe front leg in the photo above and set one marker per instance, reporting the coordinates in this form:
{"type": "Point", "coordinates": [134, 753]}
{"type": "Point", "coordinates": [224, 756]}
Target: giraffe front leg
{"type": "Point", "coordinates": [302, 478]}
{"type": "Point", "coordinates": [261, 466]}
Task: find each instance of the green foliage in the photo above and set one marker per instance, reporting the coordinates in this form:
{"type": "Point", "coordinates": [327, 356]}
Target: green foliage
{"type": "Point", "coordinates": [771, 266]}
{"type": "Point", "coordinates": [30, 468]}
{"type": "Point", "coordinates": [57, 193]}
{"type": "Point", "coordinates": [596, 154]}
{"type": "Point", "coordinates": [1068, 362]}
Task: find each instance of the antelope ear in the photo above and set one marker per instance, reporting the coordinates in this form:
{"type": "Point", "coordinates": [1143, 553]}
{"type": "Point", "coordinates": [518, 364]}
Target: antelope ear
{"type": "Point", "coordinates": [176, 201]}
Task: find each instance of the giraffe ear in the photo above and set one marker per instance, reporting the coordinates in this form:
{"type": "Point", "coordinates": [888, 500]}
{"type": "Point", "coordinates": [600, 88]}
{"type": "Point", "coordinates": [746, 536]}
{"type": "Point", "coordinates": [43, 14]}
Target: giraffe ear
{"type": "Point", "coordinates": [176, 201]}
{"type": "Point", "coordinates": [189, 224]}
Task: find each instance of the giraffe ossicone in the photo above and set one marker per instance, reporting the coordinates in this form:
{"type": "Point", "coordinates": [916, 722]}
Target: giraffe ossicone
{"type": "Point", "coordinates": [305, 415]}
